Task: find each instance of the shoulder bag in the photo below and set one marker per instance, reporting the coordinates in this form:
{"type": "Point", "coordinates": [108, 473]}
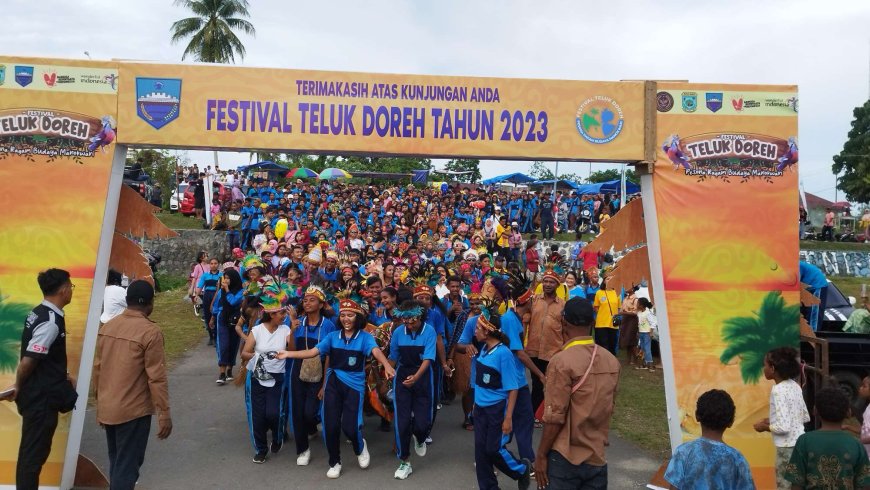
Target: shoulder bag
{"type": "Point", "coordinates": [539, 413]}
{"type": "Point", "coordinates": [311, 370]}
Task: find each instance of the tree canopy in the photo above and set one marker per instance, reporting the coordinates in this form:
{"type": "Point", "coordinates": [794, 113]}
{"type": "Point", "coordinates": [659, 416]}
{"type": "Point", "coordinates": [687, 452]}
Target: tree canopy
{"type": "Point", "coordinates": [611, 174]}
{"type": "Point", "coordinates": [212, 30]}
{"type": "Point", "coordinates": [854, 159]}
{"type": "Point", "coordinates": [464, 165]}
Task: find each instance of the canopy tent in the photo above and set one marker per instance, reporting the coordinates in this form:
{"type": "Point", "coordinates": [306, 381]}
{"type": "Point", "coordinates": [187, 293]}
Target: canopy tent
{"type": "Point", "coordinates": [264, 166]}
{"type": "Point", "coordinates": [609, 187]}
{"type": "Point", "coordinates": [561, 184]}
{"type": "Point", "coordinates": [514, 178]}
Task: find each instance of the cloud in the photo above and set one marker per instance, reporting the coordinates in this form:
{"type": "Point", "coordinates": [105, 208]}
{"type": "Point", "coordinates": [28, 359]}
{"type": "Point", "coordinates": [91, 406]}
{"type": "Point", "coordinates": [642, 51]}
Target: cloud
{"type": "Point", "coordinates": [823, 48]}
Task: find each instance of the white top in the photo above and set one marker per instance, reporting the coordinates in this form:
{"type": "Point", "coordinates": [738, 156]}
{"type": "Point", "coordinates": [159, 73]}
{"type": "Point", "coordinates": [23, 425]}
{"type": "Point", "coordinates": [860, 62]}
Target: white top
{"type": "Point", "coordinates": [788, 413]}
{"type": "Point", "coordinates": [865, 427]}
{"type": "Point", "coordinates": [114, 302]}
{"type": "Point", "coordinates": [267, 342]}
{"type": "Point", "coordinates": [646, 321]}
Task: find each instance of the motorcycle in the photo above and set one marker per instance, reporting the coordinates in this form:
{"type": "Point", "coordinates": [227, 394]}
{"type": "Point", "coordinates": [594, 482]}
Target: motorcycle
{"type": "Point", "coordinates": [154, 259]}
{"type": "Point", "coordinates": [584, 223]}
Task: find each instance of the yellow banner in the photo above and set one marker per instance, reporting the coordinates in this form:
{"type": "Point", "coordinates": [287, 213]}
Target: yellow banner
{"type": "Point", "coordinates": [55, 160]}
{"type": "Point", "coordinates": [226, 107]}
{"type": "Point", "coordinates": [729, 183]}
{"type": "Point", "coordinates": [91, 79]}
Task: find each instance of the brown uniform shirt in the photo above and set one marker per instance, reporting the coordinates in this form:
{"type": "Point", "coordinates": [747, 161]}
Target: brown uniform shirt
{"type": "Point", "coordinates": [130, 370]}
{"type": "Point", "coordinates": [585, 414]}
{"type": "Point", "coordinates": [545, 327]}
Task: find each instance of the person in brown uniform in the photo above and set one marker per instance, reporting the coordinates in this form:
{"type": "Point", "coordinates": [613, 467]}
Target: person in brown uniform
{"type": "Point", "coordinates": [578, 403]}
{"type": "Point", "coordinates": [131, 386]}
{"type": "Point", "coordinates": [544, 330]}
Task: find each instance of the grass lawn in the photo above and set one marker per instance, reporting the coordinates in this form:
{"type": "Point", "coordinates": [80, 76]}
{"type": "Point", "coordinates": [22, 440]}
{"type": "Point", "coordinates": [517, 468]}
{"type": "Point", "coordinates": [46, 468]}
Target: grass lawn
{"type": "Point", "coordinates": [641, 416]}
{"type": "Point", "coordinates": [181, 329]}
{"type": "Point", "coordinates": [178, 221]}
{"type": "Point", "coordinates": [850, 286]}
{"type": "Point", "coordinates": [835, 246]}
{"type": "Point", "coordinates": [565, 237]}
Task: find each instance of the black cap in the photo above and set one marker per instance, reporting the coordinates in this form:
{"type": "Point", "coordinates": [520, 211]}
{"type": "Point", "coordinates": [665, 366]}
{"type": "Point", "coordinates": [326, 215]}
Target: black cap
{"type": "Point", "coordinates": [578, 311]}
{"type": "Point", "coordinates": [140, 293]}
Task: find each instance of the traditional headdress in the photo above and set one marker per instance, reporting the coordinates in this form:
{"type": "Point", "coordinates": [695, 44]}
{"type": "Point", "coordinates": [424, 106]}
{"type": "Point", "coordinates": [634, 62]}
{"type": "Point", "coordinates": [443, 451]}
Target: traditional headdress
{"type": "Point", "coordinates": [484, 320]}
{"type": "Point", "coordinates": [348, 304]}
{"type": "Point", "coordinates": [273, 297]}
{"type": "Point", "coordinates": [414, 312]}
{"type": "Point", "coordinates": [317, 292]}
{"type": "Point", "coordinates": [332, 254]}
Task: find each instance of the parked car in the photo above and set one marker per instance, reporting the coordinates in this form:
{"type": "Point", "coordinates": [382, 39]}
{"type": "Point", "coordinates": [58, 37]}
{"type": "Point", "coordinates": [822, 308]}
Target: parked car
{"type": "Point", "coordinates": [186, 207]}
{"type": "Point", "coordinates": [177, 196]}
{"type": "Point", "coordinates": [139, 181]}
{"type": "Point", "coordinates": [848, 353]}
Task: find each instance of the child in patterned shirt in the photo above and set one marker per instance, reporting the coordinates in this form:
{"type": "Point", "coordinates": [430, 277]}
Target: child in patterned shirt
{"type": "Point", "coordinates": [788, 412]}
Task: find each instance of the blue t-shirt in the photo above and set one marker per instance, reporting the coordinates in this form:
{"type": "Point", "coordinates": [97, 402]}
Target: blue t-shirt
{"type": "Point", "coordinates": [512, 327]}
{"type": "Point", "coordinates": [376, 319]}
{"type": "Point", "coordinates": [495, 375]}
{"type": "Point", "coordinates": [347, 357]}
{"type": "Point", "coordinates": [208, 281]}
{"type": "Point", "coordinates": [410, 350]}
{"type": "Point", "coordinates": [705, 464]}
{"type": "Point", "coordinates": [439, 322]}
{"type": "Point", "coordinates": [812, 275]}
{"type": "Point", "coordinates": [577, 292]}
{"type": "Point", "coordinates": [234, 299]}
{"type": "Point", "coordinates": [314, 333]}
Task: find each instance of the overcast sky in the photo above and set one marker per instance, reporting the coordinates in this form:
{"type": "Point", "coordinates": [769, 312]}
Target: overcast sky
{"type": "Point", "coordinates": [823, 47]}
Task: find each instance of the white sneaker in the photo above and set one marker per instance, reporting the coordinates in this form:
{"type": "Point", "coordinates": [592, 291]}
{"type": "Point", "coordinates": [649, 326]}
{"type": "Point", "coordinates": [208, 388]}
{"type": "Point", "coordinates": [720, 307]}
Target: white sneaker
{"type": "Point", "coordinates": [363, 457]}
{"type": "Point", "coordinates": [419, 448]}
{"type": "Point", "coordinates": [304, 458]}
{"type": "Point", "coordinates": [334, 472]}
{"type": "Point", "coordinates": [429, 440]}
{"type": "Point", "coordinates": [404, 471]}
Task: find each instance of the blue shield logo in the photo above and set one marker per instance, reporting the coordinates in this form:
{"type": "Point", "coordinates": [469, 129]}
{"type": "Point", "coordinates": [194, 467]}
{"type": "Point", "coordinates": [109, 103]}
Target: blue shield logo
{"type": "Point", "coordinates": [24, 75]}
{"type": "Point", "coordinates": [2, 74]}
{"type": "Point", "coordinates": [486, 378]}
{"type": "Point", "coordinates": [351, 361]}
{"type": "Point", "coordinates": [690, 101]}
{"type": "Point", "coordinates": [714, 101]}
{"type": "Point", "coordinates": [158, 100]}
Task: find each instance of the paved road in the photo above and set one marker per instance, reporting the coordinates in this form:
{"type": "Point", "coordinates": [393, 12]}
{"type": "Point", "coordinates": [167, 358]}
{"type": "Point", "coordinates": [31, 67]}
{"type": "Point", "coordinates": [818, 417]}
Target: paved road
{"type": "Point", "coordinates": [210, 447]}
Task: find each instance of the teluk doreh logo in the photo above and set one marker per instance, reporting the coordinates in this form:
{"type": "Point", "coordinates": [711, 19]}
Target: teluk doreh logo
{"type": "Point", "coordinates": [599, 119]}
{"type": "Point", "coordinates": [714, 101]}
{"type": "Point", "coordinates": [158, 100]}
{"type": "Point", "coordinates": [23, 75]}
{"type": "Point", "coordinates": [690, 101]}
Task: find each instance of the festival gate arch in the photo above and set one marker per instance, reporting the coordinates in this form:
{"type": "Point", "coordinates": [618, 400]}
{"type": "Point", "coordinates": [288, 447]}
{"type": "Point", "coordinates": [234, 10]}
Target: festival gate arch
{"type": "Point", "coordinates": [717, 165]}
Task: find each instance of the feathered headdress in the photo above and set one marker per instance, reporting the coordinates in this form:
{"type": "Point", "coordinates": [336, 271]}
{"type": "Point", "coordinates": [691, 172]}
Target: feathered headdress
{"type": "Point", "coordinates": [273, 297]}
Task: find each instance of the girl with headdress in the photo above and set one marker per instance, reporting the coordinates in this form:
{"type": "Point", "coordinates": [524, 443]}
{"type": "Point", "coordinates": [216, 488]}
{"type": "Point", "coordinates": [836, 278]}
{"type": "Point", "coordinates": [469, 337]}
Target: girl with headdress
{"type": "Point", "coordinates": [436, 316]}
{"type": "Point", "coordinates": [495, 395]}
{"type": "Point", "coordinates": [226, 308]}
{"type": "Point", "coordinates": [345, 382]}
{"type": "Point", "coordinates": [412, 351]}
{"type": "Point", "coordinates": [265, 386]}
{"type": "Point", "coordinates": [306, 377]}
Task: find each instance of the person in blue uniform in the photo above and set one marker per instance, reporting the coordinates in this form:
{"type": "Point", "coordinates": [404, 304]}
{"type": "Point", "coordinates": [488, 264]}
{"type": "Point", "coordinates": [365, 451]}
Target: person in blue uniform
{"type": "Point", "coordinates": [343, 396]}
{"type": "Point", "coordinates": [436, 317]}
{"type": "Point", "coordinates": [226, 308]}
{"type": "Point", "coordinates": [498, 293]}
{"type": "Point", "coordinates": [309, 329]}
{"type": "Point", "coordinates": [206, 288]}
{"type": "Point", "coordinates": [495, 396]}
{"type": "Point", "coordinates": [412, 351]}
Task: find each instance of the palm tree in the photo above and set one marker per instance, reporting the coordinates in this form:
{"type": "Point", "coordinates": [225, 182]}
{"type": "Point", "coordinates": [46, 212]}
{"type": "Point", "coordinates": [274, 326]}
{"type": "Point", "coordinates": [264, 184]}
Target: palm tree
{"type": "Point", "coordinates": [211, 31]}
{"type": "Point", "coordinates": [12, 316]}
{"type": "Point", "coordinates": [750, 338]}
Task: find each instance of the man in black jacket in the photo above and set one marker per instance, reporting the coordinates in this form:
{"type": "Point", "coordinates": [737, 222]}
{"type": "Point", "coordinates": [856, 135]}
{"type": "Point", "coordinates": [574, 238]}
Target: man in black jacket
{"type": "Point", "coordinates": [43, 387]}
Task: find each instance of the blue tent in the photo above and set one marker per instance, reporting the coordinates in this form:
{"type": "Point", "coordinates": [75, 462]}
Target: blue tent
{"type": "Point", "coordinates": [514, 178]}
{"type": "Point", "coordinates": [562, 184]}
{"type": "Point", "coordinates": [264, 166]}
{"type": "Point", "coordinates": [609, 187]}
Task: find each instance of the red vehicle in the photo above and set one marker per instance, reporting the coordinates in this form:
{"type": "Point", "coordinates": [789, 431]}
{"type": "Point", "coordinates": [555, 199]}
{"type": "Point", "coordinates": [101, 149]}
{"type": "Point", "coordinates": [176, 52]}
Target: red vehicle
{"type": "Point", "coordinates": [186, 207]}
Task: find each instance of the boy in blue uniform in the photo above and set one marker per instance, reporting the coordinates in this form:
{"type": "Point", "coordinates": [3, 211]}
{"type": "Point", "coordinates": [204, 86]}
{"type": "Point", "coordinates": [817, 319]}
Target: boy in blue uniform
{"type": "Point", "coordinates": [495, 396]}
{"type": "Point", "coordinates": [206, 287]}
{"type": "Point", "coordinates": [343, 395]}
{"type": "Point", "coordinates": [412, 351]}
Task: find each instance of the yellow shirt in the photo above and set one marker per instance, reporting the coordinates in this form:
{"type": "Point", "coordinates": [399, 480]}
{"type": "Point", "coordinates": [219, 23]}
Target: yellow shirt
{"type": "Point", "coordinates": [606, 304]}
{"type": "Point", "coordinates": [561, 291]}
{"type": "Point", "coordinates": [501, 235]}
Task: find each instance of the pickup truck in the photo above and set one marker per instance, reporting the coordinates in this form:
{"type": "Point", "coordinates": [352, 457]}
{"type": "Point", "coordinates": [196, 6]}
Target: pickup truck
{"type": "Point", "coordinates": [139, 181]}
{"type": "Point", "coordinates": [848, 353]}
